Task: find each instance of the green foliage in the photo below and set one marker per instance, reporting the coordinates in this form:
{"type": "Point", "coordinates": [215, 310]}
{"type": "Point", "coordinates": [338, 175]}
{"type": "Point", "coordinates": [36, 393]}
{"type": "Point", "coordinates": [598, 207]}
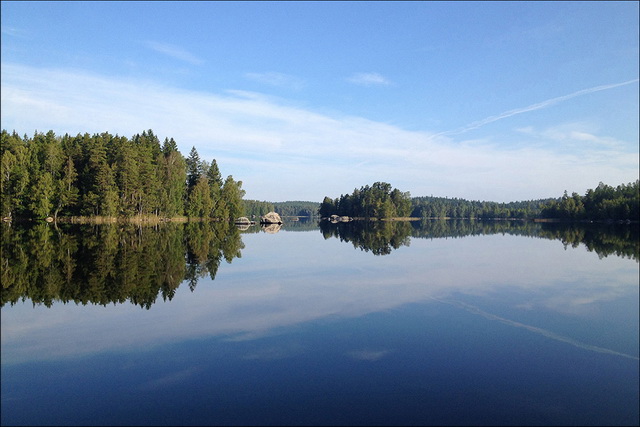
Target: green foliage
{"type": "Point", "coordinates": [14, 176]}
{"type": "Point", "coordinates": [199, 204]}
{"type": "Point", "coordinates": [41, 194]}
{"type": "Point", "coordinates": [110, 175]}
{"type": "Point", "coordinates": [602, 203]}
{"type": "Point", "coordinates": [171, 171]}
{"type": "Point", "coordinates": [442, 207]}
{"type": "Point", "coordinates": [214, 179]}
{"type": "Point", "coordinates": [328, 207]}
{"type": "Point", "coordinates": [194, 168]}
{"type": "Point", "coordinates": [66, 193]}
{"type": "Point", "coordinates": [376, 201]}
{"type": "Point", "coordinates": [296, 208]}
{"type": "Point", "coordinates": [256, 208]}
{"type": "Point", "coordinates": [232, 194]}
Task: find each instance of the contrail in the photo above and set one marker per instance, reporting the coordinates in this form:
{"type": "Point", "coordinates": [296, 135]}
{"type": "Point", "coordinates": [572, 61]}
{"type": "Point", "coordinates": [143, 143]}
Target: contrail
{"type": "Point", "coordinates": [533, 107]}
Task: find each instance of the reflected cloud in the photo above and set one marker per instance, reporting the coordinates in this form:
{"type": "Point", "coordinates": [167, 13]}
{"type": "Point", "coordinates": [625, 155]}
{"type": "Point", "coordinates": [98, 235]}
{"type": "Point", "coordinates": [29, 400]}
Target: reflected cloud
{"type": "Point", "coordinates": [304, 278]}
{"type": "Point", "coordinates": [368, 355]}
{"type": "Point", "coordinates": [170, 380]}
{"type": "Point", "coordinates": [274, 353]}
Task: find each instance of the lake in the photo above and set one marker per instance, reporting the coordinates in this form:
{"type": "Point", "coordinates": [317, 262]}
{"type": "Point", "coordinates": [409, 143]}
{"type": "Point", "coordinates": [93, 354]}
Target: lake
{"type": "Point", "coordinates": [394, 323]}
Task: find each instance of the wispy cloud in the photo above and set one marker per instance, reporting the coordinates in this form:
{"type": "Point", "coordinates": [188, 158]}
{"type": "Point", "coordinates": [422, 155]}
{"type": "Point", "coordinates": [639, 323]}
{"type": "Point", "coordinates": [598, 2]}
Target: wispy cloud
{"type": "Point", "coordinates": [277, 79]}
{"type": "Point", "coordinates": [174, 52]}
{"type": "Point", "coordinates": [12, 31]}
{"type": "Point", "coordinates": [533, 107]}
{"type": "Point", "coordinates": [573, 135]}
{"type": "Point", "coordinates": [261, 140]}
{"type": "Point", "coordinates": [368, 79]}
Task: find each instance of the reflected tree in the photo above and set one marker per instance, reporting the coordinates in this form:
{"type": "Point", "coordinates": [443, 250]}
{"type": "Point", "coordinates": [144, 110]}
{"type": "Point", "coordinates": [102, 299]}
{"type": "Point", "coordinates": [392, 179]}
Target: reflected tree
{"type": "Point", "coordinates": [114, 263]}
{"type": "Point", "coordinates": [125, 262]}
{"type": "Point", "coordinates": [377, 237]}
{"type": "Point", "coordinates": [382, 237]}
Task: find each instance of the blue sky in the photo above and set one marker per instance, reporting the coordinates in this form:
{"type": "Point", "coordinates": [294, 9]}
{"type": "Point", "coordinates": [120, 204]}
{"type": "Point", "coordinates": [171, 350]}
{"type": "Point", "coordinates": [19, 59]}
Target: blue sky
{"type": "Point", "coordinates": [498, 101]}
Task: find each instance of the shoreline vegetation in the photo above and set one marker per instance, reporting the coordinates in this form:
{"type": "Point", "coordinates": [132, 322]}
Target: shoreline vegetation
{"type": "Point", "coordinates": [604, 203]}
{"type": "Point", "coordinates": [105, 178]}
{"type": "Point", "coordinates": [152, 220]}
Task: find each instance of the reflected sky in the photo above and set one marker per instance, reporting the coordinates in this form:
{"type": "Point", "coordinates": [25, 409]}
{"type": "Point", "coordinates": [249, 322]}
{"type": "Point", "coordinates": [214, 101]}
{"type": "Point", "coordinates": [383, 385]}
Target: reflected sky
{"type": "Point", "coordinates": [289, 279]}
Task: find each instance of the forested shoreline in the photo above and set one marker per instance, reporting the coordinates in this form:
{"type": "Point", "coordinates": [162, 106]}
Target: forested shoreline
{"type": "Point", "coordinates": [601, 203]}
{"type": "Point", "coordinates": [379, 201]}
{"type": "Point", "coordinates": [256, 208]}
{"type": "Point", "coordinates": [604, 203]}
{"type": "Point", "coordinates": [105, 175]}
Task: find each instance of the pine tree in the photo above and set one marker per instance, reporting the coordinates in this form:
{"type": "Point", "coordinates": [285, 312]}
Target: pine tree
{"type": "Point", "coordinates": [101, 197]}
{"type": "Point", "coordinates": [199, 203]}
{"type": "Point", "coordinates": [194, 169]}
{"type": "Point", "coordinates": [169, 146]}
{"type": "Point", "coordinates": [14, 176]}
{"type": "Point", "coordinates": [66, 192]}
{"type": "Point", "coordinates": [232, 194]}
{"type": "Point", "coordinates": [215, 187]}
{"type": "Point", "coordinates": [128, 179]}
{"type": "Point", "coordinates": [172, 174]}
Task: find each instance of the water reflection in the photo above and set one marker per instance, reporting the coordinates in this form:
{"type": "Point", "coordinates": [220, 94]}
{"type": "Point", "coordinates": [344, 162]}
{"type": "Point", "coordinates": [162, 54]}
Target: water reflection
{"type": "Point", "coordinates": [490, 329]}
{"type": "Point", "coordinates": [111, 263]}
{"type": "Point", "coordinates": [382, 237]}
{"type": "Point", "coordinates": [118, 263]}
{"type": "Point", "coordinates": [289, 224]}
{"type": "Point", "coordinates": [377, 237]}
{"type": "Point", "coordinates": [604, 239]}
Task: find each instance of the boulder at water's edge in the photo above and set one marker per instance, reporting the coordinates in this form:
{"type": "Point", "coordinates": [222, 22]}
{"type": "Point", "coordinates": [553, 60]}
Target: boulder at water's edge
{"type": "Point", "coordinates": [271, 218]}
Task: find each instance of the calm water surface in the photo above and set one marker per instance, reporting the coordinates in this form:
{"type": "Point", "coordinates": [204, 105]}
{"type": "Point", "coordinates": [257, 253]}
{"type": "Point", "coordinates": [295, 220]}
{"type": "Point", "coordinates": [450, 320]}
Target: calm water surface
{"type": "Point", "coordinates": [439, 324]}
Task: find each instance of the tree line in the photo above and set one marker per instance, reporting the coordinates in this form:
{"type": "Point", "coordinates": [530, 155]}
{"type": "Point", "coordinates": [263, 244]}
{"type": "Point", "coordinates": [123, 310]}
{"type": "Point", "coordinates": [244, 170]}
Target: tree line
{"type": "Point", "coordinates": [602, 203]}
{"type": "Point", "coordinates": [256, 208]}
{"type": "Point", "coordinates": [380, 201]}
{"type": "Point", "coordinates": [110, 175]}
{"type": "Point", "coordinates": [442, 207]}
{"type": "Point", "coordinates": [376, 201]}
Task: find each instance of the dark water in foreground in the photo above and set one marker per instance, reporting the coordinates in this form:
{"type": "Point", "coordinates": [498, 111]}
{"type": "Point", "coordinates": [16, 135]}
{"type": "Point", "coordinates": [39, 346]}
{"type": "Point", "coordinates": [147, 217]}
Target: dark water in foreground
{"type": "Point", "coordinates": [442, 323]}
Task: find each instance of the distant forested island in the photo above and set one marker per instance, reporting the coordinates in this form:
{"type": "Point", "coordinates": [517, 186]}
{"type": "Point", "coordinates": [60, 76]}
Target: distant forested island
{"type": "Point", "coordinates": [381, 201]}
{"type": "Point", "coordinates": [105, 175]}
{"type": "Point", "coordinates": [257, 208]}
{"type": "Point", "coordinates": [111, 176]}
